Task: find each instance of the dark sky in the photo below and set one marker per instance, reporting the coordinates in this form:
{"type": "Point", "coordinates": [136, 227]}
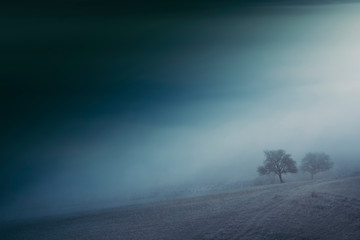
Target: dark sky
{"type": "Point", "coordinates": [103, 98]}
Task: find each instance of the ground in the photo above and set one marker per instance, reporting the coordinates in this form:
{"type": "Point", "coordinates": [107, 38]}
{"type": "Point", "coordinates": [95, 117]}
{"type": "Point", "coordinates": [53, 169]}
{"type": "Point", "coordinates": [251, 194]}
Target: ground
{"type": "Point", "coordinates": [322, 209]}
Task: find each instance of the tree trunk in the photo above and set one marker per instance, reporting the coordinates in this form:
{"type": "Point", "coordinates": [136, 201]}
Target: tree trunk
{"type": "Point", "coordinates": [280, 177]}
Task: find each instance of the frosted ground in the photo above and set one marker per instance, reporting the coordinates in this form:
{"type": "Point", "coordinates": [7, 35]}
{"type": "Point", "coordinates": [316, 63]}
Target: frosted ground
{"type": "Point", "coordinates": [322, 209]}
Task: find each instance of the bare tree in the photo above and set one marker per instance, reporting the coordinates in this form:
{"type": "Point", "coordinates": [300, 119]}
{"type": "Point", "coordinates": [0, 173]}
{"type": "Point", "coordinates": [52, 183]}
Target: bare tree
{"type": "Point", "coordinates": [278, 162]}
{"type": "Point", "coordinates": [314, 163]}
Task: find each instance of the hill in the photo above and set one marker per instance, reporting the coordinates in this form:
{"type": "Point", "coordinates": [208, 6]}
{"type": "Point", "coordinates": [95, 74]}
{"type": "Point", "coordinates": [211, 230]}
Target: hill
{"type": "Point", "coordinates": [323, 209]}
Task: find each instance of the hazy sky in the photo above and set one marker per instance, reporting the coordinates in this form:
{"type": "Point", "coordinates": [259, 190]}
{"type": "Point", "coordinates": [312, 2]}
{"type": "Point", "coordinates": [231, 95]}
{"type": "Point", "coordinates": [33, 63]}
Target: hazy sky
{"type": "Point", "coordinates": [100, 100]}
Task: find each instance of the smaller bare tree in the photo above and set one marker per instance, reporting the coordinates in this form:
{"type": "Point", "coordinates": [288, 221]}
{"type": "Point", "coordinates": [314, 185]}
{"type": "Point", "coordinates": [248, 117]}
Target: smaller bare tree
{"type": "Point", "coordinates": [314, 163]}
{"type": "Point", "coordinates": [278, 162]}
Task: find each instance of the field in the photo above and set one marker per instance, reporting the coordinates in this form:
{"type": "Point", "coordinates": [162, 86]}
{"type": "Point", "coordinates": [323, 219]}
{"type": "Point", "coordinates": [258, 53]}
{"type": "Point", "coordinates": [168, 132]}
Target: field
{"type": "Point", "coordinates": [322, 209]}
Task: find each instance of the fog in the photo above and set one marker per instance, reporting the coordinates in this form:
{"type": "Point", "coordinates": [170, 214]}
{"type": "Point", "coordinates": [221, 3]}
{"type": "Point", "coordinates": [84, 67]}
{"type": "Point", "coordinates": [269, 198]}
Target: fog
{"type": "Point", "coordinates": [197, 99]}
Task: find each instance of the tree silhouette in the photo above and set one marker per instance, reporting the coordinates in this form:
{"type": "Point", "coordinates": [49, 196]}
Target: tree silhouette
{"type": "Point", "coordinates": [314, 163]}
{"type": "Point", "coordinates": [278, 162]}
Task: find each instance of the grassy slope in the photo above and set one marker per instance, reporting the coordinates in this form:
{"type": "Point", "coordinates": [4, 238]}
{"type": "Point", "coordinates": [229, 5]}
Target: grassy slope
{"type": "Point", "coordinates": [303, 210]}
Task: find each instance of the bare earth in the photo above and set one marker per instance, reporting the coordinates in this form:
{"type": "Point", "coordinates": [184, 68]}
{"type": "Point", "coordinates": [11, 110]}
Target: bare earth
{"type": "Point", "coordinates": [327, 209]}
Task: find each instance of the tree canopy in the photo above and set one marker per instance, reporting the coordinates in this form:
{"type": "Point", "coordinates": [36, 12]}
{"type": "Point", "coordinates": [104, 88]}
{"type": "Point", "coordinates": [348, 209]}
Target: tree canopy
{"type": "Point", "coordinates": [278, 162]}
{"type": "Point", "coordinates": [314, 163]}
